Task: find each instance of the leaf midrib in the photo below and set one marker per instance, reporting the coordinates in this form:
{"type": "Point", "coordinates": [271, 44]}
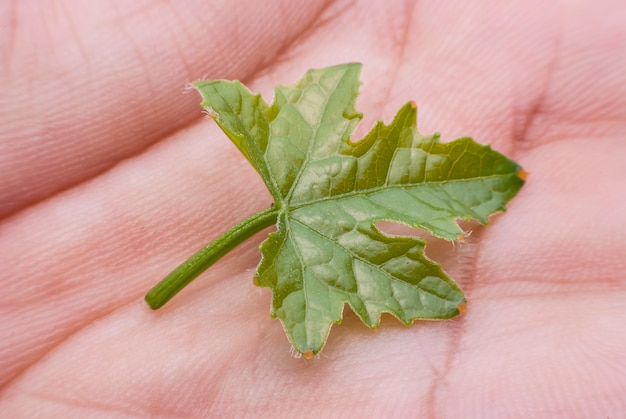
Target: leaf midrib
{"type": "Point", "coordinates": [360, 192]}
{"type": "Point", "coordinates": [312, 142]}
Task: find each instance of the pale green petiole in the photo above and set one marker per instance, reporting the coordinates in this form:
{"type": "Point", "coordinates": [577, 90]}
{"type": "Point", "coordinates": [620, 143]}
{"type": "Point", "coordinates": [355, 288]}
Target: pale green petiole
{"type": "Point", "coordinates": [169, 286]}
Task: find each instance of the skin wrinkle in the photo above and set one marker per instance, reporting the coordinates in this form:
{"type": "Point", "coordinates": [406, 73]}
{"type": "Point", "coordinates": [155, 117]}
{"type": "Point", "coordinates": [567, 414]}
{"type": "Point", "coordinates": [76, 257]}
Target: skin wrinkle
{"type": "Point", "coordinates": [432, 396]}
{"type": "Point", "coordinates": [129, 408]}
{"type": "Point", "coordinates": [215, 390]}
{"type": "Point", "coordinates": [567, 115]}
{"type": "Point", "coordinates": [77, 41]}
{"type": "Point", "coordinates": [88, 405]}
{"type": "Point", "coordinates": [402, 41]}
{"type": "Point", "coordinates": [86, 320]}
{"type": "Point", "coordinates": [502, 294]}
{"type": "Point", "coordinates": [434, 399]}
{"type": "Point", "coordinates": [128, 301]}
{"type": "Point", "coordinates": [7, 35]}
{"type": "Point", "coordinates": [319, 22]}
{"type": "Point", "coordinates": [436, 394]}
{"type": "Point", "coordinates": [121, 24]}
{"type": "Point", "coordinates": [71, 25]}
{"type": "Point", "coordinates": [185, 30]}
{"type": "Point", "coordinates": [511, 296]}
{"type": "Point", "coordinates": [147, 67]}
{"type": "Point", "coordinates": [520, 133]}
{"type": "Point", "coordinates": [126, 16]}
{"type": "Point", "coordinates": [59, 341]}
{"type": "Point", "coordinates": [138, 150]}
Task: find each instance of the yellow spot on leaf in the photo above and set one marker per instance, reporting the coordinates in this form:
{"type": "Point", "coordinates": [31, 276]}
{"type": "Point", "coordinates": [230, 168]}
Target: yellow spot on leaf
{"type": "Point", "coordinates": [462, 307]}
{"type": "Point", "coordinates": [308, 354]}
{"type": "Point", "coordinates": [522, 174]}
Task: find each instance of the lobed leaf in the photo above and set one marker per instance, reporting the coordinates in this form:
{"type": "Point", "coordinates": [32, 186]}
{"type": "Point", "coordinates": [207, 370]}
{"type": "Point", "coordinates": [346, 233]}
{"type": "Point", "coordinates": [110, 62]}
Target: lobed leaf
{"type": "Point", "coordinates": [329, 193]}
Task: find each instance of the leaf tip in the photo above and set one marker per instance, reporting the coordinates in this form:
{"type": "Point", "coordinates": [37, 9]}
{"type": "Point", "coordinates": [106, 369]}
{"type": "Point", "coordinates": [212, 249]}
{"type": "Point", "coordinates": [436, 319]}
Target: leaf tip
{"type": "Point", "coordinates": [308, 354]}
{"type": "Point", "coordinates": [522, 174]}
{"type": "Point", "coordinates": [462, 307]}
{"type": "Point", "coordinates": [413, 105]}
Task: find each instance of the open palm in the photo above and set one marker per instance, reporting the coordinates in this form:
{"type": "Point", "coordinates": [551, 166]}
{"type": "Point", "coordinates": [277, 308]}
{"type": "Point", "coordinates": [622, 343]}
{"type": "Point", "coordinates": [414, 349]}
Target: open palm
{"type": "Point", "coordinates": [110, 176]}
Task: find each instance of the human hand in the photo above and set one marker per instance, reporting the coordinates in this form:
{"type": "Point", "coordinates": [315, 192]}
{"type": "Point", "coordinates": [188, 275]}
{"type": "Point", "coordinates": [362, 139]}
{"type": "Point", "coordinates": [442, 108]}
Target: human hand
{"type": "Point", "coordinates": [111, 177]}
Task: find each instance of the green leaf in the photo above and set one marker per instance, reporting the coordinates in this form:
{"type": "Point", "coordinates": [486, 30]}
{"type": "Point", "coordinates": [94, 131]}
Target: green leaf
{"type": "Point", "coordinates": [329, 194]}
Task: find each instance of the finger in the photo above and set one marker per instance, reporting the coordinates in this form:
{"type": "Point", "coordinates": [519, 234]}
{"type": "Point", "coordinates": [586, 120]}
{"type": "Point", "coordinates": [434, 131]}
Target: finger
{"type": "Point", "coordinates": [83, 88]}
{"type": "Point", "coordinates": [85, 253]}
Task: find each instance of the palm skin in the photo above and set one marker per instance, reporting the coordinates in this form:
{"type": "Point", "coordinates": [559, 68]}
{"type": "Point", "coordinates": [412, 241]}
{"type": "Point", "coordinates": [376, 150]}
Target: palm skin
{"type": "Point", "coordinates": [111, 176]}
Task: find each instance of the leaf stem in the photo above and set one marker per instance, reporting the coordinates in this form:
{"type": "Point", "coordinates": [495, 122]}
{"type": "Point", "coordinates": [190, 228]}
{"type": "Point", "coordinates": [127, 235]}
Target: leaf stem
{"type": "Point", "coordinates": [169, 286]}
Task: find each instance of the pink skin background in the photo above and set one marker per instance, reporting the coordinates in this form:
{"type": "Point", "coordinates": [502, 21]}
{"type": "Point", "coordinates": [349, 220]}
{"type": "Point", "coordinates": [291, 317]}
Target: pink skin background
{"type": "Point", "coordinates": [111, 175]}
